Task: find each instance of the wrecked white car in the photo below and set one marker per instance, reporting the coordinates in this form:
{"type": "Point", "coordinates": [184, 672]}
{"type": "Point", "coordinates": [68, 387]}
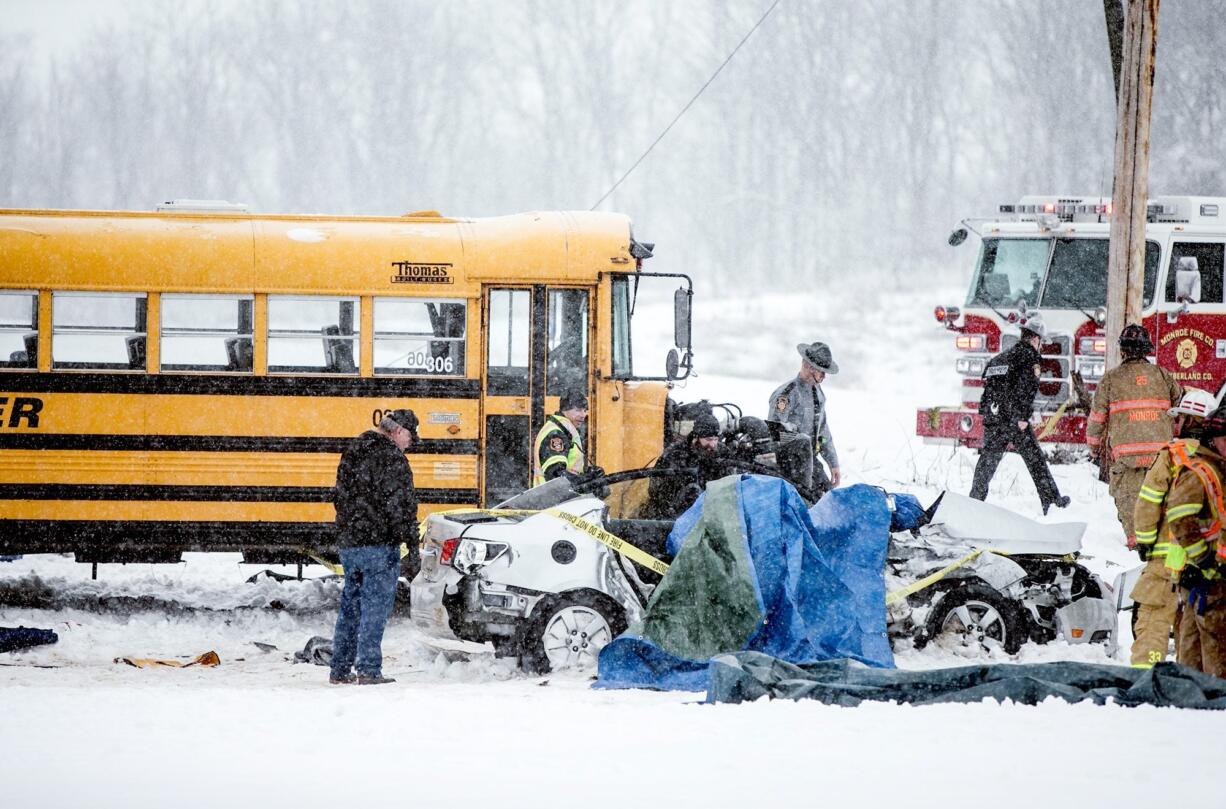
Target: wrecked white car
{"type": "Point", "coordinates": [538, 576]}
{"type": "Point", "coordinates": [985, 577]}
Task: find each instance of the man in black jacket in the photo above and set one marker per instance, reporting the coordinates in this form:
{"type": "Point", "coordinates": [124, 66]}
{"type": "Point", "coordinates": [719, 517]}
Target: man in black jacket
{"type": "Point", "coordinates": [1011, 381]}
{"type": "Point", "coordinates": [669, 497]}
{"type": "Point", "coordinates": [376, 511]}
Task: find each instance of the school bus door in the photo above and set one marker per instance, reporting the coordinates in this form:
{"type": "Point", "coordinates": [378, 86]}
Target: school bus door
{"type": "Point", "coordinates": [537, 345]}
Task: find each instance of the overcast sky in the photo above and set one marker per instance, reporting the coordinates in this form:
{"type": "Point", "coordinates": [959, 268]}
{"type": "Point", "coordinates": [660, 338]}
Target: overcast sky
{"type": "Point", "coordinates": [53, 25]}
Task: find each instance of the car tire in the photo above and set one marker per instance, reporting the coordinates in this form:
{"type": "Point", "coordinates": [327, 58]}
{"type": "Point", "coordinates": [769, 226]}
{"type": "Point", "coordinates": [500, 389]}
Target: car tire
{"type": "Point", "coordinates": [568, 631]}
{"type": "Point", "coordinates": [976, 615]}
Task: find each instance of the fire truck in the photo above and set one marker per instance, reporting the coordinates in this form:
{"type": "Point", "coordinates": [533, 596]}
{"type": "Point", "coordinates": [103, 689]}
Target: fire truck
{"type": "Point", "coordinates": [1048, 254]}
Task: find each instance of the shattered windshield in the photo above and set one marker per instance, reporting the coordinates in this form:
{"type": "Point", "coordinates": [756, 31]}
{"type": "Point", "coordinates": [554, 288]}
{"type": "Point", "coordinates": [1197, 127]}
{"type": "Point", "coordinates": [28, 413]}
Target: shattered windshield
{"type": "Point", "coordinates": [1063, 273]}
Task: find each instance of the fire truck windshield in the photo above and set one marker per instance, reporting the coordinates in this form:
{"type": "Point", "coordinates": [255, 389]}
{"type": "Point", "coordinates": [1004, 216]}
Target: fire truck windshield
{"type": "Point", "coordinates": [1062, 273]}
{"type": "Point", "coordinates": [1010, 272]}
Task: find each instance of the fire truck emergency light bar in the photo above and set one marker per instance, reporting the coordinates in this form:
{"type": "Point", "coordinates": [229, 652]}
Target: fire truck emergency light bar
{"type": "Point", "coordinates": [1068, 208]}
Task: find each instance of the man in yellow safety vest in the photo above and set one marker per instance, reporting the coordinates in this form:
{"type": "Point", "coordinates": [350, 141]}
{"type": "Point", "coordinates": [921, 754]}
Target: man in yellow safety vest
{"type": "Point", "coordinates": [559, 444]}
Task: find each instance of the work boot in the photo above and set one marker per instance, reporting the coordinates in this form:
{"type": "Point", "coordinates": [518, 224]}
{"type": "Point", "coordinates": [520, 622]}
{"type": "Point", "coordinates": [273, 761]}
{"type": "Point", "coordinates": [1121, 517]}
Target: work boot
{"type": "Point", "coordinates": [374, 679]}
{"type": "Point", "coordinates": [343, 679]}
{"type": "Point", "coordinates": [1061, 501]}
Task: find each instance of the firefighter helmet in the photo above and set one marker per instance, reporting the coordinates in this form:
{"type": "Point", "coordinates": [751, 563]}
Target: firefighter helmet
{"type": "Point", "coordinates": [1195, 402]}
{"type": "Point", "coordinates": [1134, 339]}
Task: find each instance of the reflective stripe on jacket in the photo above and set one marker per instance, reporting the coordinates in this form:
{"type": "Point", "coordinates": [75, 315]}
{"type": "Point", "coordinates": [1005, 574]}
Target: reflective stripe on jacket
{"type": "Point", "coordinates": [1147, 515]}
{"type": "Point", "coordinates": [564, 454]}
{"type": "Point", "coordinates": [1196, 493]}
{"type": "Point", "coordinates": [1129, 414]}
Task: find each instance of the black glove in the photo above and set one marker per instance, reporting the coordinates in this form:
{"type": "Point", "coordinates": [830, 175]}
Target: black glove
{"type": "Point", "coordinates": [1191, 578]}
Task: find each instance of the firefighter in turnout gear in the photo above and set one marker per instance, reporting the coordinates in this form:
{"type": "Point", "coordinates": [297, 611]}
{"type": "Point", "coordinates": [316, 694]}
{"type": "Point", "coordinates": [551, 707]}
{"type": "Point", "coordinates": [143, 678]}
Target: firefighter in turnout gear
{"type": "Point", "coordinates": [1196, 558]}
{"type": "Point", "coordinates": [1011, 381]}
{"type": "Point", "coordinates": [1156, 600]}
{"type": "Point", "coordinates": [1129, 421]}
{"type": "Point", "coordinates": [559, 444]}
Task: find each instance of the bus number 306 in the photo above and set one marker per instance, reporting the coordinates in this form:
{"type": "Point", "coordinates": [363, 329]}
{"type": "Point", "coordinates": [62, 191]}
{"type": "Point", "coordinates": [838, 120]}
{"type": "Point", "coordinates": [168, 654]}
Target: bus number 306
{"type": "Point", "coordinates": [418, 360]}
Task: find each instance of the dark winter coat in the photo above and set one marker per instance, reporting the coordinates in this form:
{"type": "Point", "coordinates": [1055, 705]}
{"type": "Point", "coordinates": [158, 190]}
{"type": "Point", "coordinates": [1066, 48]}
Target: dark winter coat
{"type": "Point", "coordinates": [375, 500]}
{"type": "Point", "coordinates": [1011, 381]}
{"type": "Point", "coordinates": [669, 497]}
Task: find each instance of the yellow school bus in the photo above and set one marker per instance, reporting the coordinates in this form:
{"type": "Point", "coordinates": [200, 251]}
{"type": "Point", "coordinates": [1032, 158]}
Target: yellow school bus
{"type": "Point", "coordinates": [185, 379]}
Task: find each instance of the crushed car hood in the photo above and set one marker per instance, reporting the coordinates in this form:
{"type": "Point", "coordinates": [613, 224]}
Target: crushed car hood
{"type": "Point", "coordinates": [982, 525]}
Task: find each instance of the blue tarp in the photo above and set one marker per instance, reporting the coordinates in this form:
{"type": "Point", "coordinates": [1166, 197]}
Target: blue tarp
{"type": "Point", "coordinates": [816, 577]}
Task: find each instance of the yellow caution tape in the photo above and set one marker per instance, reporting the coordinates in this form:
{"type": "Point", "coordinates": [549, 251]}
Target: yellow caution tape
{"type": "Point", "coordinates": [602, 536]}
{"type": "Point", "coordinates": [1050, 426]}
{"type": "Point", "coordinates": [336, 569]}
{"type": "Point", "coordinates": [597, 533]}
{"type": "Point", "coordinates": [915, 587]}
{"type": "Point", "coordinates": [333, 567]}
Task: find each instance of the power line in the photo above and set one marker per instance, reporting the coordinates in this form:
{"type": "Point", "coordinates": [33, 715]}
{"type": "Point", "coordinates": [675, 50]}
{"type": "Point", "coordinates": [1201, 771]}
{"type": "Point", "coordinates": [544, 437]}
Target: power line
{"type": "Point", "coordinates": [686, 108]}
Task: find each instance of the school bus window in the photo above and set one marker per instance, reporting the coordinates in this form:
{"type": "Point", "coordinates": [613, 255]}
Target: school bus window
{"type": "Point", "coordinates": [206, 333]}
{"type": "Point", "coordinates": [96, 330]}
{"type": "Point", "coordinates": [507, 374]}
{"type": "Point", "coordinates": [622, 362]}
{"type": "Point", "coordinates": [18, 329]}
{"type": "Point", "coordinates": [312, 335]}
{"type": "Point", "coordinates": [567, 347]}
{"type": "Point", "coordinates": [419, 337]}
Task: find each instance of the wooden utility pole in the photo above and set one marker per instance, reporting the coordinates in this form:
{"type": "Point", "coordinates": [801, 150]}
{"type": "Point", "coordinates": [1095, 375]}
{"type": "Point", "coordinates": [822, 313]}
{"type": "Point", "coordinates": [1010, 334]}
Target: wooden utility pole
{"type": "Point", "coordinates": [1126, 266]}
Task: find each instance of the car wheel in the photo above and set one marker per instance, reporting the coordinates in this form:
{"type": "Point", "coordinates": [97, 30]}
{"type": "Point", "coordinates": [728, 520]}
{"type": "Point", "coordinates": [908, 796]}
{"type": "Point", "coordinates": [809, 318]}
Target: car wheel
{"type": "Point", "coordinates": [569, 632]}
{"type": "Point", "coordinates": [975, 617]}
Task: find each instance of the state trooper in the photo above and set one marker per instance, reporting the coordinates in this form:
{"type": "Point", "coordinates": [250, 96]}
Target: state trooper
{"type": "Point", "coordinates": [1157, 603]}
{"type": "Point", "coordinates": [559, 444]}
{"type": "Point", "coordinates": [1129, 421]}
{"type": "Point", "coordinates": [800, 404]}
{"type": "Point", "coordinates": [1011, 381]}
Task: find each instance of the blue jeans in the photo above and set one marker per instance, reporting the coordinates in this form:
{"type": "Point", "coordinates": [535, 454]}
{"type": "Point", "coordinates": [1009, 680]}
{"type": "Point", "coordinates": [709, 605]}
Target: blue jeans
{"type": "Point", "coordinates": [366, 604]}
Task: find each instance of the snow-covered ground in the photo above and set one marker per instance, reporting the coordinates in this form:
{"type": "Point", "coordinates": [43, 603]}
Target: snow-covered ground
{"type": "Point", "coordinates": [460, 728]}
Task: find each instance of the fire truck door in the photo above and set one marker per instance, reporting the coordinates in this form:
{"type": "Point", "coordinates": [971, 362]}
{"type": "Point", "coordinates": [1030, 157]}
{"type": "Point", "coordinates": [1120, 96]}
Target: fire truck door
{"type": "Point", "coordinates": [1192, 343]}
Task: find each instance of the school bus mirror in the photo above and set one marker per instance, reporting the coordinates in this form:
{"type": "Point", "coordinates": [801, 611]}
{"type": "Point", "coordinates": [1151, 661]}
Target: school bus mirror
{"type": "Point", "coordinates": [672, 364]}
{"type": "Point", "coordinates": [681, 318]}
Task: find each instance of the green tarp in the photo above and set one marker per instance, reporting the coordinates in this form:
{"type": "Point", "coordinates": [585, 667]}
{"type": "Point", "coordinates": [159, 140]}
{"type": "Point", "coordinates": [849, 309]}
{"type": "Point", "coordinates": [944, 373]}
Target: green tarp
{"type": "Point", "coordinates": [750, 675]}
{"type": "Point", "coordinates": [707, 604]}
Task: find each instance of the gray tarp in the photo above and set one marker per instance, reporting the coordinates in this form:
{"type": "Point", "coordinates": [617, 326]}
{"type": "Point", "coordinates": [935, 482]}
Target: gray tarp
{"type": "Point", "coordinates": [749, 675]}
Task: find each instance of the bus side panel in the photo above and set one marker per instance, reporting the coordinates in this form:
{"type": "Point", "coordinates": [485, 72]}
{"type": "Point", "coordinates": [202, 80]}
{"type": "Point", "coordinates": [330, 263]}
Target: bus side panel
{"type": "Point", "coordinates": [202, 471]}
